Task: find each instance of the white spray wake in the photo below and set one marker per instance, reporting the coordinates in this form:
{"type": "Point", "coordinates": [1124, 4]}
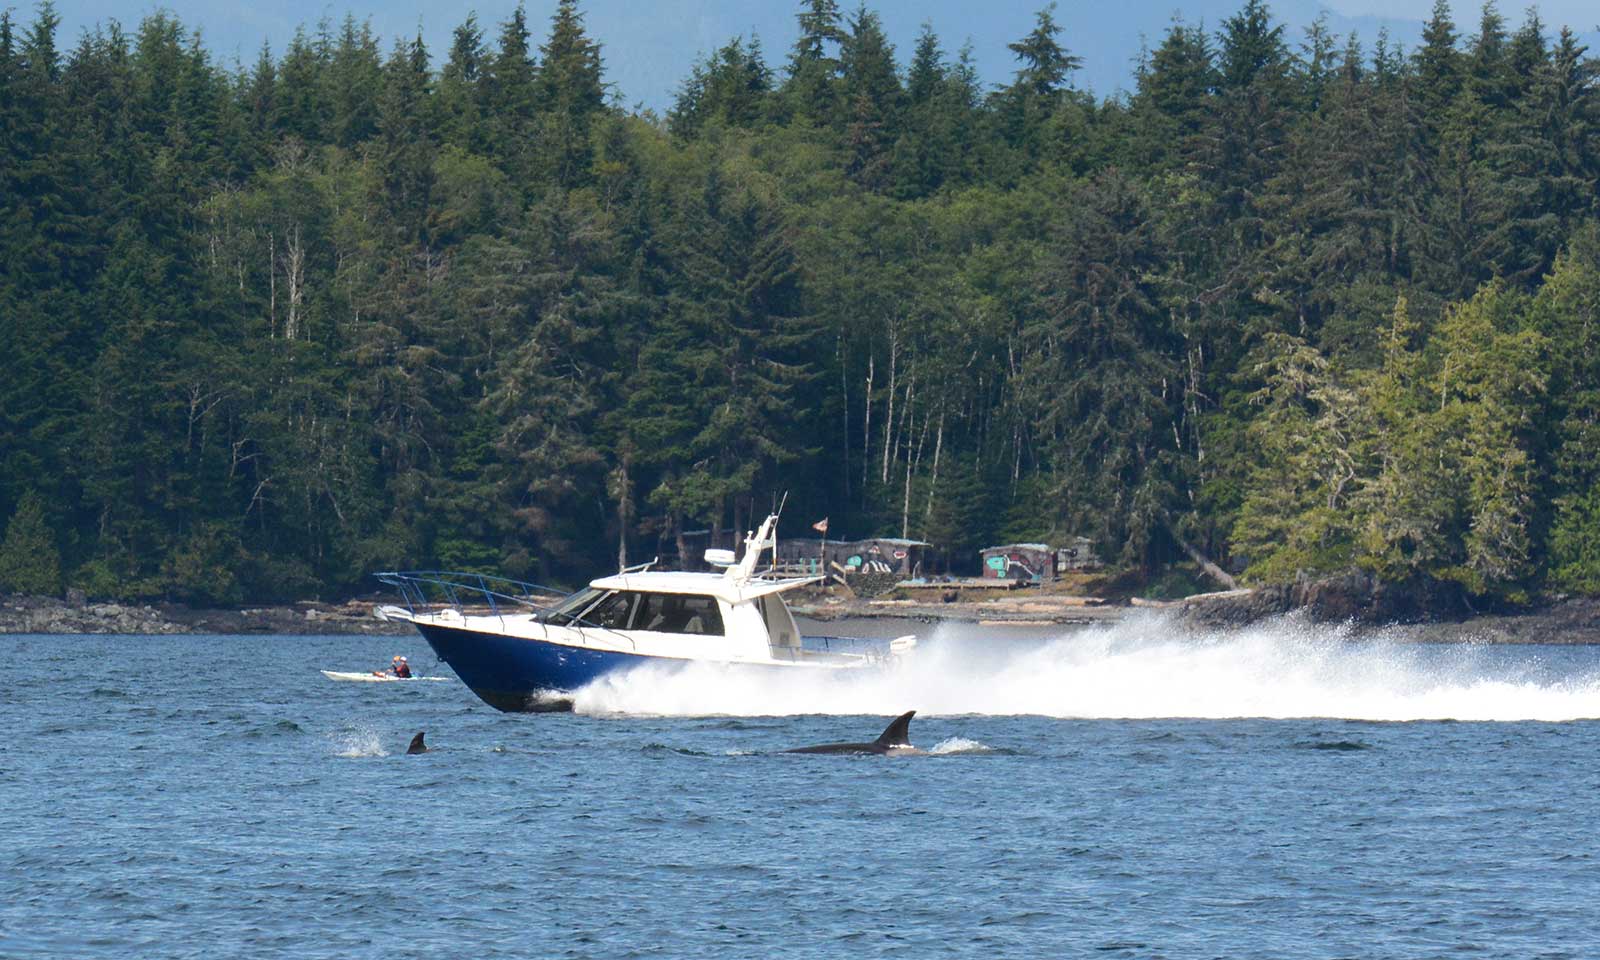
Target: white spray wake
{"type": "Point", "coordinates": [1145, 667]}
{"type": "Point", "coordinates": [358, 742]}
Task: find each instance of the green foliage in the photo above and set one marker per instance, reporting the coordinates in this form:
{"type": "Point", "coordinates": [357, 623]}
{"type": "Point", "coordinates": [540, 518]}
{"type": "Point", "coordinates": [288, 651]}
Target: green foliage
{"type": "Point", "coordinates": [29, 559]}
{"type": "Point", "coordinates": [1423, 467]}
{"type": "Point", "coordinates": [730, 88]}
{"type": "Point", "coordinates": [1299, 306]}
{"type": "Point", "coordinates": [1575, 545]}
{"type": "Point", "coordinates": [1297, 515]}
{"type": "Point", "coordinates": [203, 567]}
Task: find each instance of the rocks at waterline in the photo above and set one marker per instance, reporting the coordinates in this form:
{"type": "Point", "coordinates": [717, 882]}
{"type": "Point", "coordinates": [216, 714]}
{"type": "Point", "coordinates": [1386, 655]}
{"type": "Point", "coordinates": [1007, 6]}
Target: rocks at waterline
{"type": "Point", "coordinates": [30, 614]}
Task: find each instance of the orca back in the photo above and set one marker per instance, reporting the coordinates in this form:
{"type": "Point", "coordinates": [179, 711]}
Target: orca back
{"type": "Point", "coordinates": [897, 733]}
{"type": "Point", "coordinates": [896, 736]}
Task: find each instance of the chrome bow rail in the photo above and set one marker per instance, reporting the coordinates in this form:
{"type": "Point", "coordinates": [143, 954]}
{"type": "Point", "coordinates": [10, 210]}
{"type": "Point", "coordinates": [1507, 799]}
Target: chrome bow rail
{"type": "Point", "coordinates": [435, 588]}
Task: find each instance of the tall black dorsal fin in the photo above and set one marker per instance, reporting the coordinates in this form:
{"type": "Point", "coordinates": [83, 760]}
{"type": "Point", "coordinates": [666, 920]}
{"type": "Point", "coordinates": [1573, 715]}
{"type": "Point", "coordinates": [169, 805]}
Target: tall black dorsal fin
{"type": "Point", "coordinates": [898, 733]}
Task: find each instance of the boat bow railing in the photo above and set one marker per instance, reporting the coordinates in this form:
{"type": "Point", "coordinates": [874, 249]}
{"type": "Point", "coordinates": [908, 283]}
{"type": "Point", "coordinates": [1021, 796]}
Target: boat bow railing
{"type": "Point", "coordinates": [428, 589]}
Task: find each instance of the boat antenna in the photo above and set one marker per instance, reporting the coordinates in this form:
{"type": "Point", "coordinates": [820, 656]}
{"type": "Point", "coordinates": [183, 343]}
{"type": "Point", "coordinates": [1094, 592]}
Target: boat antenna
{"type": "Point", "coordinates": [772, 563]}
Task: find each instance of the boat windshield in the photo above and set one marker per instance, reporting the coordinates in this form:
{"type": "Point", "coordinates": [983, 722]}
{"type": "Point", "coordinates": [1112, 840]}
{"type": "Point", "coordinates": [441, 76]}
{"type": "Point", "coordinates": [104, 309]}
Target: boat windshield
{"type": "Point", "coordinates": [572, 607]}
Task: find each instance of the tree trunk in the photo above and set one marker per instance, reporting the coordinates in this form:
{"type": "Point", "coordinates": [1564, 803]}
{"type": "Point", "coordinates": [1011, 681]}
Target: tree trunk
{"type": "Point", "coordinates": [624, 511]}
{"type": "Point", "coordinates": [933, 481]}
{"type": "Point", "coordinates": [866, 428]}
{"type": "Point", "coordinates": [1212, 570]}
{"type": "Point", "coordinates": [294, 271]}
{"type": "Point", "coordinates": [272, 285]}
{"type": "Point", "coordinates": [844, 420]}
{"type": "Point", "coordinates": [888, 420]}
{"type": "Point", "coordinates": [905, 504]}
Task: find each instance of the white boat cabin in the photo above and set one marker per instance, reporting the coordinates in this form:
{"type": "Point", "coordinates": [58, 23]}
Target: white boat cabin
{"type": "Point", "coordinates": [733, 616]}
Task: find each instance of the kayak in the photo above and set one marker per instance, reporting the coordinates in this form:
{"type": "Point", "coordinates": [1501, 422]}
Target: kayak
{"type": "Point", "coordinates": [371, 677]}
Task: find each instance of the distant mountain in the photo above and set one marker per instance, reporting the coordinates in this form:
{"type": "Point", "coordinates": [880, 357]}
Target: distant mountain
{"type": "Point", "coordinates": [649, 47]}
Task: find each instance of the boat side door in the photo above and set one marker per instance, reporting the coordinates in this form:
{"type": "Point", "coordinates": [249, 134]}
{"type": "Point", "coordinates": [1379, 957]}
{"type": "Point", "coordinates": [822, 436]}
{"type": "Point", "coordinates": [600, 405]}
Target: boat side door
{"type": "Point", "coordinates": [682, 625]}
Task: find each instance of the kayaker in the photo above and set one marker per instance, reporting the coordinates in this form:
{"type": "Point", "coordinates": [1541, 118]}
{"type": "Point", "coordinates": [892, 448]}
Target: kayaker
{"type": "Point", "coordinates": [398, 668]}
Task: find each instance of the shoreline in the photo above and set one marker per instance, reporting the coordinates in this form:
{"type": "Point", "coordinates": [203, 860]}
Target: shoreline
{"type": "Point", "coordinates": [1570, 621]}
{"type": "Point", "coordinates": [51, 615]}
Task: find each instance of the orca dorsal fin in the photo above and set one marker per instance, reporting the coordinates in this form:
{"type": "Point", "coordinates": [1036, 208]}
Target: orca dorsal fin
{"type": "Point", "coordinates": [898, 733]}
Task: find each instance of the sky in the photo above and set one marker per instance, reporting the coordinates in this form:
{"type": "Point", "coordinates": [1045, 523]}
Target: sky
{"type": "Point", "coordinates": [649, 45]}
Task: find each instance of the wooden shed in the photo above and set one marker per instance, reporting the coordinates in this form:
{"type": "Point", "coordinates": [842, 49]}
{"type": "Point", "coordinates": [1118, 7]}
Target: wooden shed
{"type": "Point", "coordinates": [1038, 562]}
{"type": "Point", "coordinates": [1034, 562]}
{"type": "Point", "coordinates": [1076, 554]}
{"type": "Point", "coordinates": [892, 555]}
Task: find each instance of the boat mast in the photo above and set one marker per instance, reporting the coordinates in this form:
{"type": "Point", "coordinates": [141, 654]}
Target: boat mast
{"type": "Point", "coordinates": [753, 545]}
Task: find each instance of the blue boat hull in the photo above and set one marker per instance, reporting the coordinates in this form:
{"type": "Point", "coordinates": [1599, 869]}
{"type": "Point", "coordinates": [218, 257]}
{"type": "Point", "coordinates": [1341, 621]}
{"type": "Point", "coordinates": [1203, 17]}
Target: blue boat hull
{"type": "Point", "coordinates": [521, 675]}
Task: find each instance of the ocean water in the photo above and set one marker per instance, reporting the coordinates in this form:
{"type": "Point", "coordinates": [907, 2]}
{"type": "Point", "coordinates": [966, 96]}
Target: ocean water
{"type": "Point", "coordinates": [1133, 791]}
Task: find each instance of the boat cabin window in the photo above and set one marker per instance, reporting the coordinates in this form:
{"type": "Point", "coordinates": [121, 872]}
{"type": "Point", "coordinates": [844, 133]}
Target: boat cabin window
{"type": "Point", "coordinates": [678, 613]}
{"type": "Point", "coordinates": [570, 609]}
{"type": "Point", "coordinates": [614, 612]}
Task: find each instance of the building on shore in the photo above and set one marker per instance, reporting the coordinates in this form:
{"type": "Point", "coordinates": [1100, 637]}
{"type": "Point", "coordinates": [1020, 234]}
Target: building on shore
{"type": "Point", "coordinates": [882, 555]}
{"type": "Point", "coordinates": [1038, 562]}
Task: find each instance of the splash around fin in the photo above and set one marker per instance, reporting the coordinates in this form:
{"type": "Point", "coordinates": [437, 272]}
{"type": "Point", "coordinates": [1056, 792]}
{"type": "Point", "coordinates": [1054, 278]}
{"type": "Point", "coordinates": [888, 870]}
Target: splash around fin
{"type": "Point", "coordinates": [895, 740]}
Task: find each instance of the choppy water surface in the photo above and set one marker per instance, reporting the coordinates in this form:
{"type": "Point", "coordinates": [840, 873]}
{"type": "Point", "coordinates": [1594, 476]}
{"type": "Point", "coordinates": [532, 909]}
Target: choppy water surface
{"type": "Point", "coordinates": [1130, 792]}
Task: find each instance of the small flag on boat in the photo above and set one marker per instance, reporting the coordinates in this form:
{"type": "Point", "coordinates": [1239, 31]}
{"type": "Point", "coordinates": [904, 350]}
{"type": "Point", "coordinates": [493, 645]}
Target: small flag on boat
{"type": "Point", "coordinates": [821, 526]}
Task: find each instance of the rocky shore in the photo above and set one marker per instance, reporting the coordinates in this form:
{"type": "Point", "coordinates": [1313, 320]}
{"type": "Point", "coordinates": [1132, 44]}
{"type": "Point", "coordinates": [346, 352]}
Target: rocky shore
{"type": "Point", "coordinates": [1421, 611]}
{"type": "Point", "coordinates": [1424, 614]}
{"type": "Point", "coordinates": [75, 614]}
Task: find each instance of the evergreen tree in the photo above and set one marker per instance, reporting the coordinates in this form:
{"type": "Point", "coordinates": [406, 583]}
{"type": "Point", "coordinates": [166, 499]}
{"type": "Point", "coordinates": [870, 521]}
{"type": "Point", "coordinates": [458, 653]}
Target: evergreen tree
{"type": "Point", "coordinates": [354, 78]}
{"type": "Point", "coordinates": [271, 328]}
{"type": "Point", "coordinates": [730, 88]}
{"type": "Point", "coordinates": [747, 346]}
{"type": "Point", "coordinates": [29, 559]}
{"type": "Point", "coordinates": [1297, 512]}
{"type": "Point", "coordinates": [939, 144]}
{"type": "Point", "coordinates": [1315, 67]}
{"type": "Point", "coordinates": [872, 88]}
{"type": "Point", "coordinates": [1488, 62]}
{"type": "Point", "coordinates": [1438, 64]}
{"type": "Point", "coordinates": [571, 96]}
{"type": "Point", "coordinates": [1566, 311]}
{"type": "Point", "coordinates": [406, 158]}
{"type": "Point", "coordinates": [811, 92]}
{"type": "Point", "coordinates": [258, 102]}
{"type": "Point", "coordinates": [302, 107]}
{"type": "Point", "coordinates": [1039, 87]}
{"type": "Point", "coordinates": [1045, 63]}
{"type": "Point", "coordinates": [1242, 145]}
{"type": "Point", "coordinates": [512, 104]}
{"type": "Point", "coordinates": [1526, 54]}
{"type": "Point", "coordinates": [1104, 338]}
{"type": "Point", "coordinates": [458, 106]}
{"type": "Point", "coordinates": [1174, 87]}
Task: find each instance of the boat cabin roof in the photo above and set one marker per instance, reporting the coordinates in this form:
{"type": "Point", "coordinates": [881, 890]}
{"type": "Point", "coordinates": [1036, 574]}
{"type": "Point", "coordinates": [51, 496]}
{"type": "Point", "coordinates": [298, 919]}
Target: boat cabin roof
{"type": "Point", "coordinates": [717, 585]}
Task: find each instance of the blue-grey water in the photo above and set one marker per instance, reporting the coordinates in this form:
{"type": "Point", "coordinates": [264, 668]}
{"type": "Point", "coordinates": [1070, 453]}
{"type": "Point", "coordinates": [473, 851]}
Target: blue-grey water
{"type": "Point", "coordinates": [1134, 792]}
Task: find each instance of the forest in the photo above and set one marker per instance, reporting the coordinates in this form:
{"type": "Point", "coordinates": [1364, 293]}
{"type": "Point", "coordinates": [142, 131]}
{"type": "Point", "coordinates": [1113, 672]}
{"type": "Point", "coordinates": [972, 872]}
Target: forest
{"type": "Point", "coordinates": [1296, 304]}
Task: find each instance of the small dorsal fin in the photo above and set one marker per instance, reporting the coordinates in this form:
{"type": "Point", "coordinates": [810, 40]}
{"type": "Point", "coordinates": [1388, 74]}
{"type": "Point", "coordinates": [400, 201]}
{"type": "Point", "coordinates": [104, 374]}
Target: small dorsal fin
{"type": "Point", "coordinates": [898, 733]}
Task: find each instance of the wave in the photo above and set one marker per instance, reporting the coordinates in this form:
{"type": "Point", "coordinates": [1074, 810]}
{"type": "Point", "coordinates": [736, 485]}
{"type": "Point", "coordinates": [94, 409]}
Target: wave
{"type": "Point", "coordinates": [357, 743]}
{"type": "Point", "coordinates": [951, 746]}
{"type": "Point", "coordinates": [1146, 667]}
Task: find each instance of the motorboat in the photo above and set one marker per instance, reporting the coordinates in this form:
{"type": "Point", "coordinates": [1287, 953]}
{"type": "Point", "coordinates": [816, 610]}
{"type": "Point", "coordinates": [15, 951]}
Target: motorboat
{"type": "Point", "coordinates": [519, 650]}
